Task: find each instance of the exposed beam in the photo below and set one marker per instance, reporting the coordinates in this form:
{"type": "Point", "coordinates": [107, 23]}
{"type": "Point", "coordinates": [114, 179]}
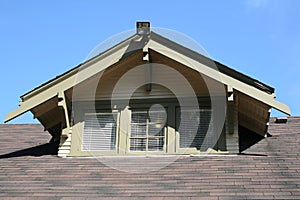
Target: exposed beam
{"type": "Point", "coordinates": [148, 76]}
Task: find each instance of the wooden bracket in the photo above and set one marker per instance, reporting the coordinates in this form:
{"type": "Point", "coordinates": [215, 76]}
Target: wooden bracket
{"type": "Point", "coordinates": [62, 103]}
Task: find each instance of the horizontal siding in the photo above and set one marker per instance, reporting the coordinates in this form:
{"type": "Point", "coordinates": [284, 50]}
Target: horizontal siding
{"type": "Point", "coordinates": [102, 86]}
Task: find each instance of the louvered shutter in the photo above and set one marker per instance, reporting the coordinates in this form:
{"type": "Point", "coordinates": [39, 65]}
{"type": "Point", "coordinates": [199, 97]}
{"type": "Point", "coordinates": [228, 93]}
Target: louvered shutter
{"type": "Point", "coordinates": [99, 132]}
{"type": "Point", "coordinates": [194, 127]}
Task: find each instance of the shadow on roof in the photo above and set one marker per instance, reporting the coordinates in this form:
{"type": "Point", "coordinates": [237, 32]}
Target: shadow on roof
{"type": "Point", "coordinates": [252, 154]}
{"type": "Point", "coordinates": [50, 148]}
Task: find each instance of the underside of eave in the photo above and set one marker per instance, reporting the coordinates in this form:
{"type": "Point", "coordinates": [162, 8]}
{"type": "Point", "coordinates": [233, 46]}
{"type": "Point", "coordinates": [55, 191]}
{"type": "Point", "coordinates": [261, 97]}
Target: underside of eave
{"type": "Point", "coordinates": [51, 116]}
{"type": "Point", "coordinates": [252, 114]}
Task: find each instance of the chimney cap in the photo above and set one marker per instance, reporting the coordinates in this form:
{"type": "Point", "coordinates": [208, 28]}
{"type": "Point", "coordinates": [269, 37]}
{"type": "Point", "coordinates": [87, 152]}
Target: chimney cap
{"type": "Point", "coordinates": [143, 28]}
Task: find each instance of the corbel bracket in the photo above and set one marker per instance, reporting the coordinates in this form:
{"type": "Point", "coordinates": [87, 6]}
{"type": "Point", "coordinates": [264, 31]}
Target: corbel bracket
{"type": "Point", "coordinates": [62, 103]}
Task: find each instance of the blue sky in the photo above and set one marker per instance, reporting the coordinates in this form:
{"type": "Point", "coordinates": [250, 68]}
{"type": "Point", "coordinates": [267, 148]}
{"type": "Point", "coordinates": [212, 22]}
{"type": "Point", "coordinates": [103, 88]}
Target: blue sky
{"type": "Point", "coordinates": [42, 39]}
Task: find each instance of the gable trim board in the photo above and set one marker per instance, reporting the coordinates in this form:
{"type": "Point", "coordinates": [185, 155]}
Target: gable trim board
{"type": "Point", "coordinates": [221, 77]}
{"type": "Point", "coordinates": [69, 79]}
{"type": "Point", "coordinates": [135, 48]}
{"type": "Point", "coordinates": [113, 55]}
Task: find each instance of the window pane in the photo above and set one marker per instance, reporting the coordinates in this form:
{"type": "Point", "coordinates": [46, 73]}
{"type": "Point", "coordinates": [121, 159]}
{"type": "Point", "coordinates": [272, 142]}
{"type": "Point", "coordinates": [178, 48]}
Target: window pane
{"type": "Point", "coordinates": [138, 130]}
{"type": "Point", "coordinates": [155, 144]}
{"type": "Point", "coordinates": [139, 116]}
{"type": "Point", "coordinates": [142, 129]}
{"type": "Point", "coordinates": [138, 144]}
{"type": "Point", "coordinates": [155, 129]}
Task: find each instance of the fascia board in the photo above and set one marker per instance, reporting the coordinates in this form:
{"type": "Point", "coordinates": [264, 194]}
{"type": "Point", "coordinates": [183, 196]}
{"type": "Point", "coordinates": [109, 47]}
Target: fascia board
{"type": "Point", "coordinates": [121, 45]}
{"type": "Point", "coordinates": [218, 76]}
{"type": "Point", "coordinates": [87, 70]}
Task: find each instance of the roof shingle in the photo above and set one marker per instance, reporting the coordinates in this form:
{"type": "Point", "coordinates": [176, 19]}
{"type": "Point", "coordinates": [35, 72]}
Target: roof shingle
{"type": "Point", "coordinates": [268, 170]}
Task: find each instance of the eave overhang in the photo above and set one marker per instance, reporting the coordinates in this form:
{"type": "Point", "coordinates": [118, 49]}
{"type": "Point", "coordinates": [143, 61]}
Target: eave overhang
{"type": "Point", "coordinates": [162, 45]}
{"type": "Point", "coordinates": [67, 80]}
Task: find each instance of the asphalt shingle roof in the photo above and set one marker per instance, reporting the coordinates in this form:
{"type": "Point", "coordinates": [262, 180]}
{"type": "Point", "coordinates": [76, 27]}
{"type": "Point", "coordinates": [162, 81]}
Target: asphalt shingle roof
{"type": "Point", "coordinates": [268, 170]}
